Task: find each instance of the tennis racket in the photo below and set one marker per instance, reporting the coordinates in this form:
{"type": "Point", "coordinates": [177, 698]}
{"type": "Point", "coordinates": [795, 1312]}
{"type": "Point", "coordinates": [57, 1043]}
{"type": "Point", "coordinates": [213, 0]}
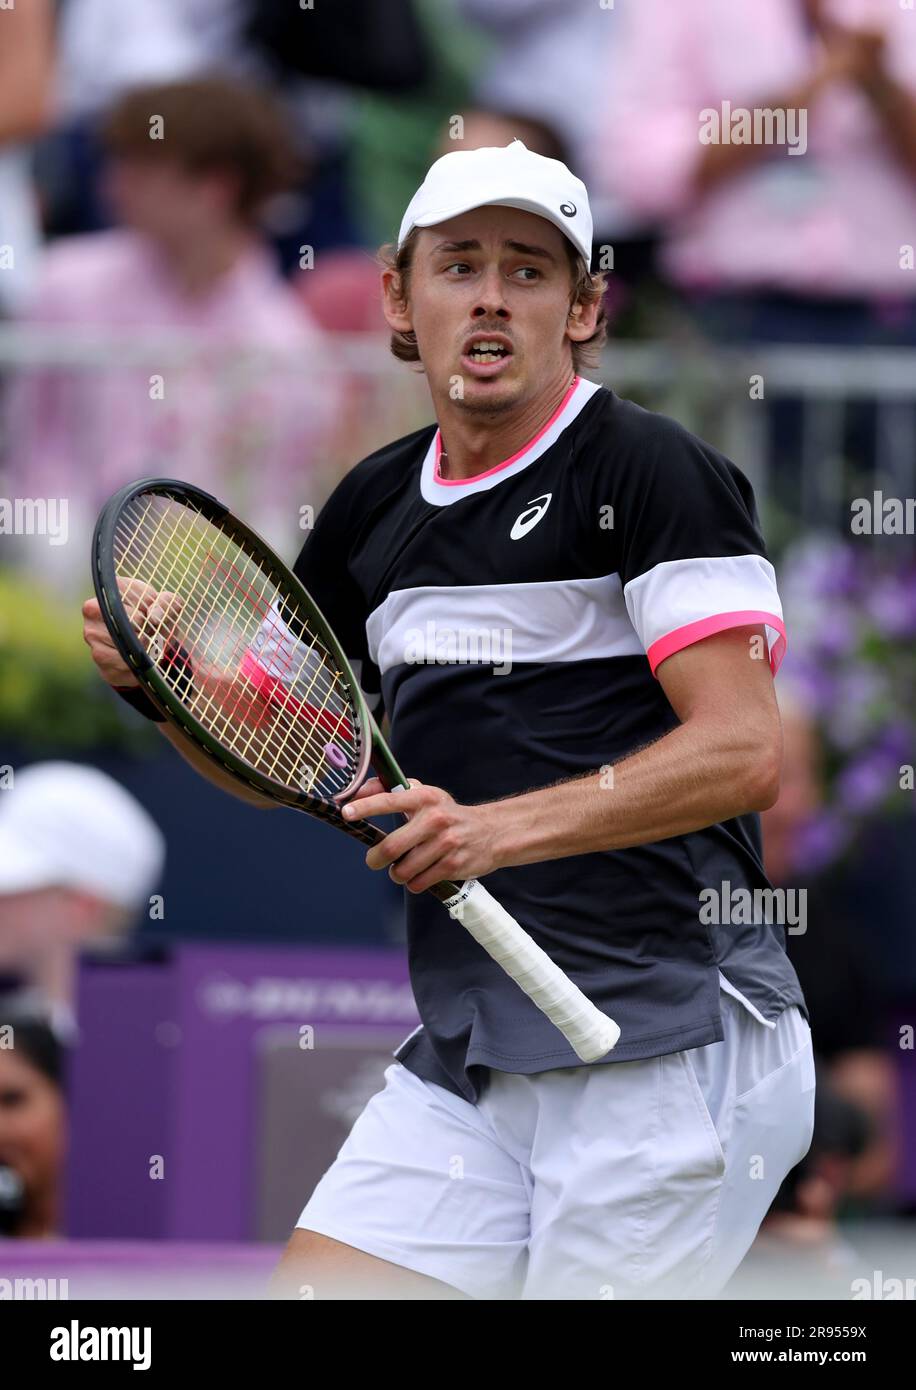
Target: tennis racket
{"type": "Point", "coordinates": [232, 650]}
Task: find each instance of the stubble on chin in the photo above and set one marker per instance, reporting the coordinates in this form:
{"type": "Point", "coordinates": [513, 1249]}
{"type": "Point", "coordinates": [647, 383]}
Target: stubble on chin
{"type": "Point", "coordinates": [481, 398]}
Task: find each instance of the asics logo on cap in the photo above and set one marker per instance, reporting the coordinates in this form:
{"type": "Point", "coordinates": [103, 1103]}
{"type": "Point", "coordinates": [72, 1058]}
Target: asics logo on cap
{"type": "Point", "coordinates": [568, 209]}
{"type": "Point", "coordinates": [530, 517]}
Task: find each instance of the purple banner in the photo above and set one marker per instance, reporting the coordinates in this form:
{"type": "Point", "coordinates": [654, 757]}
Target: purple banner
{"type": "Point", "coordinates": [187, 1067]}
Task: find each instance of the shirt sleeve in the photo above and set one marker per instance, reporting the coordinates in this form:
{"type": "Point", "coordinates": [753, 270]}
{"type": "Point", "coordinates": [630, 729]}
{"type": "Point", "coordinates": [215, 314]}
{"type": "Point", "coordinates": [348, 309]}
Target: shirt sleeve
{"type": "Point", "coordinates": [691, 556]}
{"type": "Point", "coordinates": [322, 568]}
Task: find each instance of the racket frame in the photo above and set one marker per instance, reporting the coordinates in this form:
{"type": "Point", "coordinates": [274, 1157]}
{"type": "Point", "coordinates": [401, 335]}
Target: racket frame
{"type": "Point", "coordinates": [374, 751]}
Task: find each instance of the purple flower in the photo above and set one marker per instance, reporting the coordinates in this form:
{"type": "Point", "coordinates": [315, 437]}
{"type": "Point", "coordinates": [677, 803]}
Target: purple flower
{"type": "Point", "coordinates": [857, 698]}
{"type": "Point", "coordinates": [838, 633]}
{"type": "Point", "coordinates": [820, 841]}
{"type": "Point", "coordinates": [808, 683]}
{"type": "Point", "coordinates": [832, 569]}
{"type": "Point", "coordinates": [892, 606]}
{"type": "Point", "coordinates": [898, 743]}
{"type": "Point", "coordinates": [821, 567]}
{"type": "Point", "coordinates": [867, 781]}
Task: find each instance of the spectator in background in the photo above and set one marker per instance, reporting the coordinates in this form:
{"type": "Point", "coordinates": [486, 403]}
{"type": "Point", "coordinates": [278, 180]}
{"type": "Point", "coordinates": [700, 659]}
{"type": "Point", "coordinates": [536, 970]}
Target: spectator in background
{"type": "Point", "coordinates": [79, 858]}
{"type": "Point", "coordinates": [548, 64]}
{"type": "Point", "coordinates": [316, 60]}
{"type": "Point", "coordinates": [831, 958]}
{"type": "Point", "coordinates": [222, 392]}
{"type": "Point", "coordinates": [324, 58]}
{"type": "Point", "coordinates": [107, 48]}
{"type": "Point", "coordinates": [26, 67]}
{"type": "Point", "coordinates": [801, 247]}
{"type": "Point", "coordinates": [104, 49]}
{"type": "Point", "coordinates": [393, 138]}
{"type": "Point", "coordinates": [484, 127]}
{"type": "Point", "coordinates": [801, 240]}
{"type": "Point", "coordinates": [33, 1127]}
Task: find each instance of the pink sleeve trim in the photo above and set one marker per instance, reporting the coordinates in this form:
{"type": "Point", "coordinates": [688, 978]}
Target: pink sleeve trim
{"type": "Point", "coordinates": [720, 622]}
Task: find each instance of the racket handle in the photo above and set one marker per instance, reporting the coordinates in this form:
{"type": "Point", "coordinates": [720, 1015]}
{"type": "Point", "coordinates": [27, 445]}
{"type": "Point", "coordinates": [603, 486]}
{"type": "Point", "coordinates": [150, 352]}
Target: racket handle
{"type": "Point", "coordinates": [589, 1032]}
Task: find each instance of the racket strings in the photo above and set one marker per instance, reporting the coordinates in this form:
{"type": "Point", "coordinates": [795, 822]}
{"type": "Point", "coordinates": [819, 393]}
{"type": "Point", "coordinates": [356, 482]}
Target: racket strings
{"type": "Point", "coordinates": [161, 641]}
{"type": "Point", "coordinates": [291, 716]}
{"type": "Point", "coordinates": [221, 719]}
{"type": "Point", "coordinates": [260, 607]}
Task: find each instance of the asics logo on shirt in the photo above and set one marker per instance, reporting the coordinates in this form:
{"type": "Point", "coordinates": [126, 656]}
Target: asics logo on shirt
{"type": "Point", "coordinates": [530, 516]}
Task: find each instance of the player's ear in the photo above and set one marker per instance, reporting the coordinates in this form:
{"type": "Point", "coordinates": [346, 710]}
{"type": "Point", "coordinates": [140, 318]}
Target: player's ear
{"type": "Point", "coordinates": [395, 305]}
{"type": "Point", "coordinates": [582, 320]}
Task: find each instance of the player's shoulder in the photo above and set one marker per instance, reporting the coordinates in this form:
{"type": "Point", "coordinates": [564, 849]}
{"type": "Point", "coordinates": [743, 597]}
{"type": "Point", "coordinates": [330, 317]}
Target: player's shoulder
{"type": "Point", "coordinates": [409, 450]}
{"type": "Point", "coordinates": [625, 439]}
{"type": "Point", "coordinates": [617, 424]}
{"type": "Point", "coordinates": [384, 472]}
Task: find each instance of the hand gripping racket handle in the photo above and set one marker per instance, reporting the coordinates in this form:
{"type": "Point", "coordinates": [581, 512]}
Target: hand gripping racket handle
{"type": "Point", "coordinates": [588, 1031]}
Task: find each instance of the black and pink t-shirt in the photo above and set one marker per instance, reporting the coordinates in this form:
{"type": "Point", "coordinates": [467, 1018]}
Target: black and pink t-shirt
{"type": "Point", "coordinates": [510, 626]}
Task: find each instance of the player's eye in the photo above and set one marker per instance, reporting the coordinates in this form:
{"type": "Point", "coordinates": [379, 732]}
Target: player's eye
{"type": "Point", "coordinates": [458, 266]}
{"type": "Point", "coordinates": [528, 272]}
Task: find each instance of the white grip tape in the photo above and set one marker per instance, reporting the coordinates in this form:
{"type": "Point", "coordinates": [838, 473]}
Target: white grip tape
{"type": "Point", "coordinates": [589, 1032]}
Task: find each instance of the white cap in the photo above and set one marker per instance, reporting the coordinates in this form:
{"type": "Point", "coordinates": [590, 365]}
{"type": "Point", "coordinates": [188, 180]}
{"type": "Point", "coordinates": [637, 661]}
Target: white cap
{"type": "Point", "coordinates": [508, 175]}
{"type": "Point", "coordinates": [64, 825]}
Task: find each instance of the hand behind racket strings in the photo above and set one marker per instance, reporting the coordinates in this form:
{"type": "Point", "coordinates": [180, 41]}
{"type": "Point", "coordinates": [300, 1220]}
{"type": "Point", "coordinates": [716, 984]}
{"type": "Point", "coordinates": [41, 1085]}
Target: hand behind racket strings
{"type": "Point", "coordinates": [228, 644]}
{"type": "Point", "coordinates": [201, 660]}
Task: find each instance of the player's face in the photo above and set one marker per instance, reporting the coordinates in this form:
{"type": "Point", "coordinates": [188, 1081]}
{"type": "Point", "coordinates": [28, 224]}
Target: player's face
{"type": "Point", "coordinates": [489, 301]}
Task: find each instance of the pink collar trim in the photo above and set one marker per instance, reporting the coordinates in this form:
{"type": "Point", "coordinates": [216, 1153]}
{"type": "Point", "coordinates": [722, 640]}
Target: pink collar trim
{"type": "Point", "coordinates": [497, 467]}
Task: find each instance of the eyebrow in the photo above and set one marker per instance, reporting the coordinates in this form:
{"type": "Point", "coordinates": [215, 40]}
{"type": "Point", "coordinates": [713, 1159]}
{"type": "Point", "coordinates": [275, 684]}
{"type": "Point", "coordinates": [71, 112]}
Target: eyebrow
{"type": "Point", "coordinates": [521, 247]}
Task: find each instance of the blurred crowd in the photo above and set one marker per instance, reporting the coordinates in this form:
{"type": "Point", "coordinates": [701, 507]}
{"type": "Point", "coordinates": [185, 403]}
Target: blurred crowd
{"type": "Point", "coordinates": [192, 196]}
{"type": "Point", "coordinates": [191, 191]}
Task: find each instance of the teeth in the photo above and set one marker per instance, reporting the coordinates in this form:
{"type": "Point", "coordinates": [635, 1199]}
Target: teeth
{"type": "Point", "coordinates": [486, 351]}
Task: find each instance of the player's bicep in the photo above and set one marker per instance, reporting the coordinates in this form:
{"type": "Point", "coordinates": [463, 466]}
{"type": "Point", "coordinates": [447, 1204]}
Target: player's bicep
{"type": "Point", "coordinates": [725, 678]}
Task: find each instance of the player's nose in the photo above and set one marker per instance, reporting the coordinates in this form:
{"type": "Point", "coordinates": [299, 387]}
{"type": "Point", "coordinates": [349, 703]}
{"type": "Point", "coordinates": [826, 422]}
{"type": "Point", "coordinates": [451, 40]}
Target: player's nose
{"type": "Point", "coordinates": [491, 299]}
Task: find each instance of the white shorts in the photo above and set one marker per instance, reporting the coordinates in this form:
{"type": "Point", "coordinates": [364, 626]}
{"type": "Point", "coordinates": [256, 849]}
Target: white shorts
{"type": "Point", "coordinates": [627, 1180]}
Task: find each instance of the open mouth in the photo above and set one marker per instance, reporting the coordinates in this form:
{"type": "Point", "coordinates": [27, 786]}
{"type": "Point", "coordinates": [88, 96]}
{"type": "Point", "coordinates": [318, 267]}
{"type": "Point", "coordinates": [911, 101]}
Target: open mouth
{"type": "Point", "coordinates": [487, 351]}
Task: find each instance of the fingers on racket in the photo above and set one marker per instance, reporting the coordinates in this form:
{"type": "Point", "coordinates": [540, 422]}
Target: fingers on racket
{"type": "Point", "coordinates": [236, 646]}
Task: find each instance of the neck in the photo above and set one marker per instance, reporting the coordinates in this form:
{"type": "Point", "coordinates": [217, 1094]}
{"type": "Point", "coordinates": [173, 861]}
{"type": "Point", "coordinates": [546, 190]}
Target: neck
{"type": "Point", "coordinates": [199, 263]}
{"type": "Point", "coordinates": [52, 972]}
{"type": "Point", "coordinates": [475, 441]}
{"type": "Point", "coordinates": [40, 1221]}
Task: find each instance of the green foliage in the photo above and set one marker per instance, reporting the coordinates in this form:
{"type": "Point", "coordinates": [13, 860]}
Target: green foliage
{"type": "Point", "coordinates": [50, 694]}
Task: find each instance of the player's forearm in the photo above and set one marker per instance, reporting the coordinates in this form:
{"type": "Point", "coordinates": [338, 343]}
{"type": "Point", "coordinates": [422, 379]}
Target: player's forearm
{"type": "Point", "coordinates": [692, 777]}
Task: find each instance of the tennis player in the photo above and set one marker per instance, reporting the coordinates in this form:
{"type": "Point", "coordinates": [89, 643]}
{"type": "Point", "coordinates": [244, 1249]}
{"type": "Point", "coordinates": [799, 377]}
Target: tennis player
{"type": "Point", "coordinates": [562, 604]}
